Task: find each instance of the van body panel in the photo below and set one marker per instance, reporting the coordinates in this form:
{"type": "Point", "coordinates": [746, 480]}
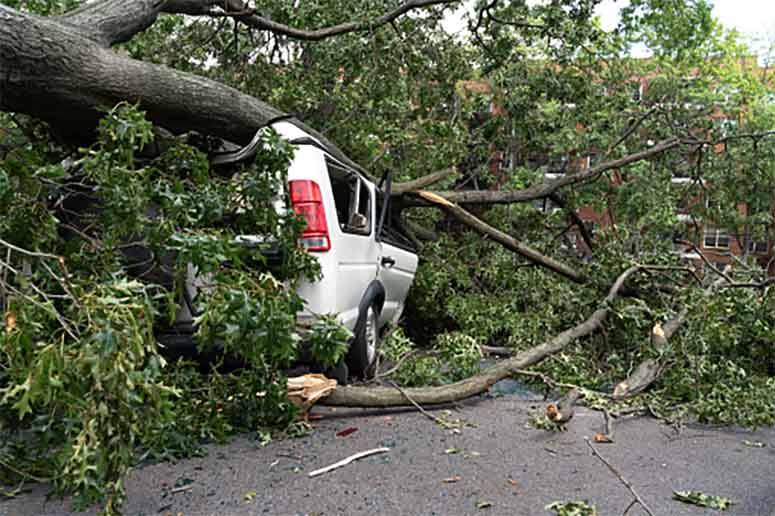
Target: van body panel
{"type": "Point", "coordinates": [356, 257]}
{"type": "Point", "coordinates": [397, 278]}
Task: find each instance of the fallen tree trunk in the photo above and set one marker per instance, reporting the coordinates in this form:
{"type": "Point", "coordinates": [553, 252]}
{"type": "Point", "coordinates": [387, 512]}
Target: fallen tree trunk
{"type": "Point", "coordinates": [357, 396]}
{"type": "Point", "coordinates": [649, 370]}
{"type": "Point", "coordinates": [62, 71]}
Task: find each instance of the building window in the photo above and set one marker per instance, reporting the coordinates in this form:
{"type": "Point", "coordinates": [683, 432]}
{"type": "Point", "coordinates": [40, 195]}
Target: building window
{"type": "Point", "coordinates": [558, 164]}
{"type": "Point", "coordinates": [636, 91]}
{"type": "Point", "coordinates": [545, 205]}
{"type": "Point", "coordinates": [716, 237]}
{"type": "Point", "coordinates": [757, 241]}
{"type": "Point", "coordinates": [757, 246]}
{"type": "Point", "coordinates": [506, 161]}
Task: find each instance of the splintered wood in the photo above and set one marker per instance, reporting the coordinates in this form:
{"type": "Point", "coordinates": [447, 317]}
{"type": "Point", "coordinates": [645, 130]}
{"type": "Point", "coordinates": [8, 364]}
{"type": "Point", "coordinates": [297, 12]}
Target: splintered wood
{"type": "Point", "coordinates": [305, 391]}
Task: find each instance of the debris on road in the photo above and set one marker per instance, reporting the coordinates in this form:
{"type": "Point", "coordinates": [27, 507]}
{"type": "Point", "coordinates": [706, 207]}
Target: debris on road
{"type": "Point", "coordinates": [573, 508]}
{"type": "Point", "coordinates": [348, 460]}
{"type": "Point", "coordinates": [701, 499]}
{"type": "Point", "coordinates": [347, 431]}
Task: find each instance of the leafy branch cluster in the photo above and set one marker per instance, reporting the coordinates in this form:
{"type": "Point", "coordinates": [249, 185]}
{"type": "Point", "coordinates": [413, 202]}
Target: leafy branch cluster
{"type": "Point", "coordinates": [98, 246]}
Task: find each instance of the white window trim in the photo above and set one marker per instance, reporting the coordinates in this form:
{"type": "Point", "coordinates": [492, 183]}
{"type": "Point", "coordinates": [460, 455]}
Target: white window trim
{"type": "Point", "coordinates": [717, 234]}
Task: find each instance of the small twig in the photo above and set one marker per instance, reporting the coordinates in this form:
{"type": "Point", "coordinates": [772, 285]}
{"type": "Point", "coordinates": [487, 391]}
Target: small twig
{"type": "Point", "coordinates": [181, 488]}
{"type": "Point", "coordinates": [621, 478]}
{"type": "Point", "coordinates": [26, 252]}
{"type": "Point", "coordinates": [608, 429]}
{"type": "Point", "coordinates": [403, 358]}
{"type": "Point", "coordinates": [438, 420]}
{"type": "Point", "coordinates": [348, 460]}
{"type": "Point", "coordinates": [290, 456]}
{"type": "Point", "coordinates": [397, 365]}
{"type": "Point", "coordinates": [553, 383]}
{"type": "Point", "coordinates": [24, 474]}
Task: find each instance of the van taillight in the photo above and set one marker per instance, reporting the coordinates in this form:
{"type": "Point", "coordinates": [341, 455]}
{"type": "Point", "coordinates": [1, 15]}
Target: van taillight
{"type": "Point", "coordinates": [307, 202]}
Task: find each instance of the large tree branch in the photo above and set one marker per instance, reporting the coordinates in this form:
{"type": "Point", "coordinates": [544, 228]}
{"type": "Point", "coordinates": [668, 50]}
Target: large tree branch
{"type": "Point", "coordinates": [55, 72]}
{"type": "Point", "coordinates": [546, 188]}
{"type": "Point", "coordinates": [389, 397]}
{"type": "Point", "coordinates": [241, 11]}
{"type": "Point", "coordinates": [113, 21]}
{"type": "Point", "coordinates": [421, 182]}
{"type": "Point", "coordinates": [505, 240]}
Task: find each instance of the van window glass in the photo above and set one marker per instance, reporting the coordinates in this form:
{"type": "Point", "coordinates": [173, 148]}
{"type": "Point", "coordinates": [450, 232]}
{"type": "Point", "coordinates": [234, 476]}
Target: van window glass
{"type": "Point", "coordinates": [352, 199]}
{"type": "Point", "coordinates": [392, 230]}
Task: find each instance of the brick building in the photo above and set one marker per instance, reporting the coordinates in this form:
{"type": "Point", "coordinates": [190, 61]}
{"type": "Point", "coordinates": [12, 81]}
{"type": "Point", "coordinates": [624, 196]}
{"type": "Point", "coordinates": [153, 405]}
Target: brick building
{"type": "Point", "coordinates": [692, 235]}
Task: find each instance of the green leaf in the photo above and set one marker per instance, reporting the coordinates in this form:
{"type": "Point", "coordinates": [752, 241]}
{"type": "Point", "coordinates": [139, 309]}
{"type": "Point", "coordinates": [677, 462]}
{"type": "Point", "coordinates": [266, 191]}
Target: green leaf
{"type": "Point", "coordinates": [703, 500]}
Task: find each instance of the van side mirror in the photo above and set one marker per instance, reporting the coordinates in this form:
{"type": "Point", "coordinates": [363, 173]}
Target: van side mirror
{"type": "Point", "coordinates": [359, 221]}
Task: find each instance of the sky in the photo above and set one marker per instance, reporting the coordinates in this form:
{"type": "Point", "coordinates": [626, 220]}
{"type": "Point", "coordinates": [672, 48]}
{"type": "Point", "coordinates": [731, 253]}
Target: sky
{"type": "Point", "coordinates": [755, 19]}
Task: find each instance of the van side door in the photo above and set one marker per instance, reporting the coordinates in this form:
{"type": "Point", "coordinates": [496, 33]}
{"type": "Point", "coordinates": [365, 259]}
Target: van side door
{"type": "Point", "coordinates": [397, 261]}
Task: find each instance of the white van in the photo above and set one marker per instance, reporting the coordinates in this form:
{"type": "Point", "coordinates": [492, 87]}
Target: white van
{"type": "Point", "coordinates": [367, 262]}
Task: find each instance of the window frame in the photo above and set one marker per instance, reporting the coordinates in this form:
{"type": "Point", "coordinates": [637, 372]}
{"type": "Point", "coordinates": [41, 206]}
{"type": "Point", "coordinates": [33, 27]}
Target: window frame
{"type": "Point", "coordinates": [358, 185]}
{"type": "Point", "coordinates": [717, 235]}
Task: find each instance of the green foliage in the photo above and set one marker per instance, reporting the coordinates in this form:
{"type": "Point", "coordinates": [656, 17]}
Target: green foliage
{"type": "Point", "coordinates": [83, 387]}
{"type": "Point", "coordinates": [703, 500]}
{"type": "Point", "coordinates": [454, 356]}
{"type": "Point", "coordinates": [328, 341]}
{"type": "Point", "coordinates": [574, 508]}
{"type": "Point", "coordinates": [85, 401]}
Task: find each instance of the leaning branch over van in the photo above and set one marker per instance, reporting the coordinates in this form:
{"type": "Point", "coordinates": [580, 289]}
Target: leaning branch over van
{"type": "Point", "coordinates": [546, 188]}
{"type": "Point", "coordinates": [507, 241]}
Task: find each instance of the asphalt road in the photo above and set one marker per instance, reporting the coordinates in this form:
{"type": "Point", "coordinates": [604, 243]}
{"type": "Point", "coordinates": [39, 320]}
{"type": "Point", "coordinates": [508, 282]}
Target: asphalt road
{"type": "Point", "coordinates": [495, 465]}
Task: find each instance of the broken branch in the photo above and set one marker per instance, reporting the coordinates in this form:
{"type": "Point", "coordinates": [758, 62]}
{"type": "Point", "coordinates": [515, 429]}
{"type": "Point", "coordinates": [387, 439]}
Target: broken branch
{"type": "Point", "coordinates": [620, 477]}
{"type": "Point", "coordinates": [348, 460]}
{"type": "Point", "coordinates": [422, 182]}
{"type": "Point", "coordinates": [356, 396]}
{"type": "Point", "coordinates": [502, 238]}
{"type": "Point", "coordinates": [649, 370]}
{"type": "Point", "coordinates": [547, 188]}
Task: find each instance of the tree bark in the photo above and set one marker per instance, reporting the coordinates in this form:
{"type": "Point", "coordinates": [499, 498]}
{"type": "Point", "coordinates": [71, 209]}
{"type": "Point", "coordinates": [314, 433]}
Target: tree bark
{"type": "Point", "coordinates": [546, 188]}
{"type": "Point", "coordinates": [58, 72]}
{"type": "Point", "coordinates": [354, 396]}
{"type": "Point", "coordinates": [113, 21]}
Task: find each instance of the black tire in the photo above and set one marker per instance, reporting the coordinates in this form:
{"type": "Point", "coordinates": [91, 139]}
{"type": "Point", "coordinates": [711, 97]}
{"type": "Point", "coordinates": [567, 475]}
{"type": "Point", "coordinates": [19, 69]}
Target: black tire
{"type": "Point", "coordinates": [364, 345]}
{"type": "Point", "coordinates": [339, 372]}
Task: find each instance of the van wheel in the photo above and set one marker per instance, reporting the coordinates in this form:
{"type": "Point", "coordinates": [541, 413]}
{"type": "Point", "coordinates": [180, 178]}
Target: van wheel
{"type": "Point", "coordinates": [363, 349]}
{"type": "Point", "coordinates": [339, 372]}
